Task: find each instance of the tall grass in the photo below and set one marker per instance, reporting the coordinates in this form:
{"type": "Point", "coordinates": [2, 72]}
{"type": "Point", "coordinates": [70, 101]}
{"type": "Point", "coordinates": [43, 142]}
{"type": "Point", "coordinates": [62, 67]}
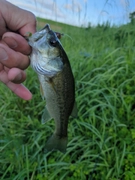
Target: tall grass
{"type": "Point", "coordinates": [101, 141]}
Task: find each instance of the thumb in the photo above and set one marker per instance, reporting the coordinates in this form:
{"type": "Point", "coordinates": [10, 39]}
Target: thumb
{"type": "Point", "coordinates": [17, 19]}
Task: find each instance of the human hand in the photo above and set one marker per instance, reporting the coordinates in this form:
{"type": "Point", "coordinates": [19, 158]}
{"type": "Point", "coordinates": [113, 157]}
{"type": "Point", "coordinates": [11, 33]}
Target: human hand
{"type": "Point", "coordinates": [14, 49]}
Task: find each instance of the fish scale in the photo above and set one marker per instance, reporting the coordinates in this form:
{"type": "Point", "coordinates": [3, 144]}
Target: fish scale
{"type": "Point", "coordinates": [51, 63]}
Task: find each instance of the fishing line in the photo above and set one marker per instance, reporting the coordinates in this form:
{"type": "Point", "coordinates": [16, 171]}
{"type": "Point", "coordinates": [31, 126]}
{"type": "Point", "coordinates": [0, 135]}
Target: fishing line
{"type": "Point", "coordinates": [69, 37]}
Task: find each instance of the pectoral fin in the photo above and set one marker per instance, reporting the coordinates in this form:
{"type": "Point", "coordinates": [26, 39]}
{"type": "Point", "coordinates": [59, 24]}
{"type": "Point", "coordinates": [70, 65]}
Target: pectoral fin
{"type": "Point", "coordinates": [46, 116]}
{"type": "Point", "coordinates": [74, 111]}
{"type": "Point", "coordinates": [41, 91]}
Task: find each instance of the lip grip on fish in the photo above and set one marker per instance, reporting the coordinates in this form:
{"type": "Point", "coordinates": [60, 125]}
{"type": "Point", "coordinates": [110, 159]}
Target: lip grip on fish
{"type": "Point", "coordinates": [29, 34]}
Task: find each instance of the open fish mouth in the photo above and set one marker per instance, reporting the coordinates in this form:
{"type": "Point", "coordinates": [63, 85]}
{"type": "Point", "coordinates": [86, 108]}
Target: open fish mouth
{"type": "Point", "coordinates": [32, 38]}
{"type": "Point", "coordinates": [42, 32]}
{"type": "Point", "coordinates": [46, 27]}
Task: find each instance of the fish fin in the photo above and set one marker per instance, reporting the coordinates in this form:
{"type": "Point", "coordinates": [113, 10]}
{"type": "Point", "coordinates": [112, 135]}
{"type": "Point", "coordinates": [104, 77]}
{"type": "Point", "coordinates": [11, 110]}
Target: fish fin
{"type": "Point", "coordinates": [41, 91]}
{"type": "Point", "coordinates": [74, 110]}
{"type": "Point", "coordinates": [46, 116]}
{"type": "Point", "coordinates": [56, 143]}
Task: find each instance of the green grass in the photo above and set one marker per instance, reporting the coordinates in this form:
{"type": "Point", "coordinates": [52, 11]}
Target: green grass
{"type": "Point", "coordinates": [101, 142]}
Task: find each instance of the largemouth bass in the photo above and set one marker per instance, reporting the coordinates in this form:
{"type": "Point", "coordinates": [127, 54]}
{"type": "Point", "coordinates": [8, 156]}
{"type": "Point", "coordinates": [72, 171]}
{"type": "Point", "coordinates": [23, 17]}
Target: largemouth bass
{"type": "Point", "coordinates": [51, 63]}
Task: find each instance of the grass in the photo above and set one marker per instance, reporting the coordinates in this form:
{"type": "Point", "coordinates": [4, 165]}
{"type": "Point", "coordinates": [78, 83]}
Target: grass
{"type": "Point", "coordinates": [102, 139]}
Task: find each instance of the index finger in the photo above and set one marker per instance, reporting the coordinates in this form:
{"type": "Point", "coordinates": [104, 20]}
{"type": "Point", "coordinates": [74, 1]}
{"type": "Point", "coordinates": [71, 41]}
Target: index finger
{"type": "Point", "coordinates": [11, 58]}
{"type": "Point", "coordinates": [17, 42]}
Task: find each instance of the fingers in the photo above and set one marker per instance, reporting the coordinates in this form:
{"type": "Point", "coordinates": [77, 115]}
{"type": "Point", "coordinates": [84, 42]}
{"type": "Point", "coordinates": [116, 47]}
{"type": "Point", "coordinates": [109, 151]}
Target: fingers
{"type": "Point", "coordinates": [18, 89]}
{"type": "Point", "coordinates": [16, 75]}
{"type": "Point", "coordinates": [14, 49]}
{"type": "Point", "coordinates": [16, 42]}
{"type": "Point", "coordinates": [17, 19]}
{"type": "Point", "coordinates": [30, 25]}
{"type": "Point", "coordinates": [11, 58]}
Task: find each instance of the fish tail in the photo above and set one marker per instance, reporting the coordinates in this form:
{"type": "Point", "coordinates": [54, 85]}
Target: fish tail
{"type": "Point", "coordinates": [56, 143]}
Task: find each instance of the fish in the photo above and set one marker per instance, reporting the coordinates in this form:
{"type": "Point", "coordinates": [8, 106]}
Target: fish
{"type": "Point", "coordinates": [57, 85]}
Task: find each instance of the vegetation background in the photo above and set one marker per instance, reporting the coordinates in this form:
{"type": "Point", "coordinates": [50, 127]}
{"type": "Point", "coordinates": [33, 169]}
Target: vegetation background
{"type": "Point", "coordinates": [101, 142]}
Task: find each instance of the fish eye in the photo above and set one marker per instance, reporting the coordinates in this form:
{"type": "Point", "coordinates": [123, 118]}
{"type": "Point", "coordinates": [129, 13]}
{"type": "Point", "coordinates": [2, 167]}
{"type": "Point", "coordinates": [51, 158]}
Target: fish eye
{"type": "Point", "coordinates": [53, 42]}
{"type": "Point", "coordinates": [58, 35]}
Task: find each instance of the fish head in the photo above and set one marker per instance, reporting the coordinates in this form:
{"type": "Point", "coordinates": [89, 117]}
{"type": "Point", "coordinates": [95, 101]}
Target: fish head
{"type": "Point", "coordinates": [46, 52]}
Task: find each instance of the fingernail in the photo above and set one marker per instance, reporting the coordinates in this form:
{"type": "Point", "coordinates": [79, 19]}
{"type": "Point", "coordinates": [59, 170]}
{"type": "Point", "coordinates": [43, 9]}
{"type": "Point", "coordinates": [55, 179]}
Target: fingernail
{"type": "Point", "coordinates": [3, 54]}
{"type": "Point", "coordinates": [19, 77]}
{"type": "Point", "coordinates": [10, 42]}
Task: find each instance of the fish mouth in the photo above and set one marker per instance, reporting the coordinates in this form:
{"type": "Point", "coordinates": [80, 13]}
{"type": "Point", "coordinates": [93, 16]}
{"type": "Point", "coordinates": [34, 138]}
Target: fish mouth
{"type": "Point", "coordinates": [33, 38]}
{"type": "Point", "coordinates": [38, 35]}
{"type": "Point", "coordinates": [46, 27]}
